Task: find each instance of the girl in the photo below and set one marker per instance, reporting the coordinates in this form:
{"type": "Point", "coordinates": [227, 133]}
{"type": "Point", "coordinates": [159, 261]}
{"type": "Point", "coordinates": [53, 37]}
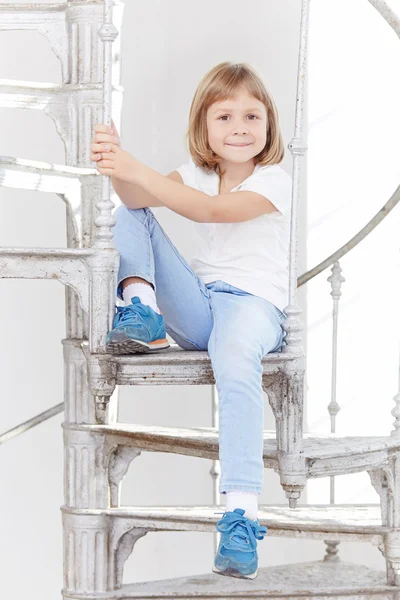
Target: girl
{"type": "Point", "coordinates": [230, 299]}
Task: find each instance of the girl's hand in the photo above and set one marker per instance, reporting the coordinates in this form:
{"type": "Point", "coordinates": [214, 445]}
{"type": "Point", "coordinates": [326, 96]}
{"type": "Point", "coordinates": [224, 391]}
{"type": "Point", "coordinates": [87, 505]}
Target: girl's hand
{"type": "Point", "coordinates": [107, 153]}
{"type": "Point", "coordinates": [104, 136]}
{"type": "Point", "coordinates": [119, 164]}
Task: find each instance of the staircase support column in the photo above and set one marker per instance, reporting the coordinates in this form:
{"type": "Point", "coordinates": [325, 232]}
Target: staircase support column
{"type": "Point", "coordinates": [386, 482]}
{"type": "Point", "coordinates": [286, 397]}
{"type": "Point", "coordinates": [95, 551]}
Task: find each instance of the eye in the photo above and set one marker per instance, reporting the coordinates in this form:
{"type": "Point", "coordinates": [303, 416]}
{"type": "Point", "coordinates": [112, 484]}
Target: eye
{"type": "Point", "coordinates": [255, 117]}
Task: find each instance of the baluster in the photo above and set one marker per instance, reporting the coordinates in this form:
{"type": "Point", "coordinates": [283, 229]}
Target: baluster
{"type": "Point", "coordinates": [215, 470]}
{"type": "Point", "coordinates": [396, 410]}
{"type": "Point", "coordinates": [104, 265]}
{"type": "Point", "coordinates": [298, 147]}
{"type": "Point", "coordinates": [335, 279]}
{"type": "Point", "coordinates": [105, 220]}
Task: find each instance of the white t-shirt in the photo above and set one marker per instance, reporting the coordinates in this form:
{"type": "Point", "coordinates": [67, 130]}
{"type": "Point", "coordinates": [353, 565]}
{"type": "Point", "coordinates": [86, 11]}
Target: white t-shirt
{"type": "Point", "coordinates": [251, 255]}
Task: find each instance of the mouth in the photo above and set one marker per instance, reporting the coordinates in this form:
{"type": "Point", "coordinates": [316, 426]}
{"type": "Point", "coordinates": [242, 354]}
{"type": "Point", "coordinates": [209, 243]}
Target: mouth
{"type": "Point", "coordinates": [239, 145]}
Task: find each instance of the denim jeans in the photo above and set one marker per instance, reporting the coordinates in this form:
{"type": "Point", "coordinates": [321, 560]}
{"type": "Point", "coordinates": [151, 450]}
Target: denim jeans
{"type": "Point", "coordinates": [235, 327]}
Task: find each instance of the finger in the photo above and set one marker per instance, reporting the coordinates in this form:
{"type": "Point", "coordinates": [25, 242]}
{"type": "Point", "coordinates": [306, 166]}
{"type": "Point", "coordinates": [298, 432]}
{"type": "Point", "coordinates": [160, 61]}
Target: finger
{"type": "Point", "coordinates": [105, 164]}
{"type": "Point", "coordinates": [102, 148]}
{"type": "Point", "coordinates": [101, 128]}
{"type": "Point", "coordinates": [98, 148]}
{"type": "Point", "coordinates": [97, 157]}
{"type": "Point", "coordinates": [108, 156]}
{"type": "Point", "coordinates": [106, 171]}
{"type": "Point", "coordinates": [105, 137]}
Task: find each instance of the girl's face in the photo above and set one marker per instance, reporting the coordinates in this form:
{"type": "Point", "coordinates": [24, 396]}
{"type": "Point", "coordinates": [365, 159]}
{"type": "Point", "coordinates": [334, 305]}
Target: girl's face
{"type": "Point", "coordinates": [237, 128]}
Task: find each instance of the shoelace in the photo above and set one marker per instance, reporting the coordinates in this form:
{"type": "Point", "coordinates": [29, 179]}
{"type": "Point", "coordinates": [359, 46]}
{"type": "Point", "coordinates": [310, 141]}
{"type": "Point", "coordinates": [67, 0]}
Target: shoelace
{"type": "Point", "coordinates": [127, 313]}
{"type": "Point", "coordinates": [233, 520]}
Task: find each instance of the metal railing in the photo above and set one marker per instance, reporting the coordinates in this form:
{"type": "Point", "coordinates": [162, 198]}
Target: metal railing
{"type": "Point", "coordinates": [302, 280]}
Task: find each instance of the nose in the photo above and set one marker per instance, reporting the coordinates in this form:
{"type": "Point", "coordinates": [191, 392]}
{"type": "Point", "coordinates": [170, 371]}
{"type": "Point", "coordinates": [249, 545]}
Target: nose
{"type": "Point", "coordinates": [240, 128]}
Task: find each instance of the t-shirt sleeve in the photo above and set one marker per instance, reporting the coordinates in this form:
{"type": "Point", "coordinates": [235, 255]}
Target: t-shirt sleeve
{"type": "Point", "coordinates": [183, 170]}
{"type": "Point", "coordinates": [275, 185]}
{"type": "Point", "coordinates": [187, 172]}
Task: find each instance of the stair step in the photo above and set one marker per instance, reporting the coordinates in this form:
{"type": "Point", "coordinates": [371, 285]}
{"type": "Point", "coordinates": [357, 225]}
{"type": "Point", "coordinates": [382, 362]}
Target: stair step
{"type": "Point", "coordinates": [326, 454]}
{"type": "Point", "coordinates": [176, 366]}
{"type": "Point", "coordinates": [21, 173]}
{"type": "Point", "coordinates": [65, 264]}
{"type": "Point", "coordinates": [321, 580]}
{"type": "Point", "coordinates": [36, 253]}
{"type": "Point", "coordinates": [359, 522]}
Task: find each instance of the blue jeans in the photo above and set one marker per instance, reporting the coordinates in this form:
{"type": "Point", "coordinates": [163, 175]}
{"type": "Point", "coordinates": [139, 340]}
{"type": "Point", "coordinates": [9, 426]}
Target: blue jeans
{"type": "Point", "coordinates": [236, 327]}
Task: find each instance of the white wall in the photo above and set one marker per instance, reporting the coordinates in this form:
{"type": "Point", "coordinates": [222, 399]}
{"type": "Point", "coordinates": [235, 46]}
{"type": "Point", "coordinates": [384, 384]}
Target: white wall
{"type": "Point", "coordinates": [166, 49]}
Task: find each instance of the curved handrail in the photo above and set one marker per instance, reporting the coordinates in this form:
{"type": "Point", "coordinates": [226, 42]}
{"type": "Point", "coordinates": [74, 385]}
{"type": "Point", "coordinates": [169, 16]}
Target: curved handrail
{"type": "Point", "coordinates": [19, 429]}
{"type": "Point", "coordinates": [393, 21]}
{"type": "Point", "coordinates": [354, 241]}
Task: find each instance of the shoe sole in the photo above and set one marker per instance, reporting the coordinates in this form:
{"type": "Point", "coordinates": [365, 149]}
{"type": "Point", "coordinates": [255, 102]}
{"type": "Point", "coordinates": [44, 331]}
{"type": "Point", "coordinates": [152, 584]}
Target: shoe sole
{"type": "Point", "coordinates": [129, 346]}
{"type": "Point", "coordinates": [229, 572]}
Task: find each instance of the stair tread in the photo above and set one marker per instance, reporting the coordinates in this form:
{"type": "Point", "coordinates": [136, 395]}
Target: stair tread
{"type": "Point", "coordinates": [318, 578]}
{"type": "Point", "coordinates": [47, 252]}
{"type": "Point", "coordinates": [176, 353]}
{"type": "Point", "coordinates": [339, 518]}
{"type": "Point", "coordinates": [59, 174]}
{"type": "Point", "coordinates": [315, 445]}
{"type": "Point", "coordinates": [42, 7]}
{"type": "Point", "coordinates": [176, 366]}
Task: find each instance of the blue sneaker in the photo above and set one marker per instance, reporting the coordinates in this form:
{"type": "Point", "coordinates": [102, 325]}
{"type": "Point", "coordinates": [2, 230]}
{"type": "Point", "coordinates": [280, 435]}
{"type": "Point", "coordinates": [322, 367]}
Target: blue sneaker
{"type": "Point", "coordinates": [237, 550]}
{"type": "Point", "coordinates": [136, 328]}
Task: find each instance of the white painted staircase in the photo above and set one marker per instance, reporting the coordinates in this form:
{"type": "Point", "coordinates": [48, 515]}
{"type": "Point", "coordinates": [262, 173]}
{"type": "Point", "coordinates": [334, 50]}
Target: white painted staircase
{"type": "Point", "coordinates": [99, 534]}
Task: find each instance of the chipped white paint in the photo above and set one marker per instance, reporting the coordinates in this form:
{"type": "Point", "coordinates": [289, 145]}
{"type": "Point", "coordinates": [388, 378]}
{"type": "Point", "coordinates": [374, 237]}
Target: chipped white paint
{"type": "Point", "coordinates": [317, 580]}
{"type": "Point", "coordinates": [66, 104]}
{"type": "Point", "coordinates": [98, 534]}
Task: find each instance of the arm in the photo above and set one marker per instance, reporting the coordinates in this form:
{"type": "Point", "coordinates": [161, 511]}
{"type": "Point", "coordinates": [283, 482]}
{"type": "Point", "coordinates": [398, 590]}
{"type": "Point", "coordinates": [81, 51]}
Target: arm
{"type": "Point", "coordinates": [134, 196]}
{"type": "Point", "coordinates": [231, 207]}
{"type": "Point", "coordinates": [235, 207]}
{"type": "Point", "coordinates": [182, 199]}
{"type": "Point", "coordinates": [140, 186]}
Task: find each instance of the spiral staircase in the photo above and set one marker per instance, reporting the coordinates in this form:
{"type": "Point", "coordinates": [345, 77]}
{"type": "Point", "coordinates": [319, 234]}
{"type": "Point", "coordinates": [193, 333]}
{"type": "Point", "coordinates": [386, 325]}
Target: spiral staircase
{"type": "Point", "coordinates": [99, 533]}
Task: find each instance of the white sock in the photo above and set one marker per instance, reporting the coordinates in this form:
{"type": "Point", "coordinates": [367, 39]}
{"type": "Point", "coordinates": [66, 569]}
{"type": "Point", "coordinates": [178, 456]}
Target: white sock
{"type": "Point", "coordinates": [145, 293]}
{"type": "Point", "coordinates": [246, 500]}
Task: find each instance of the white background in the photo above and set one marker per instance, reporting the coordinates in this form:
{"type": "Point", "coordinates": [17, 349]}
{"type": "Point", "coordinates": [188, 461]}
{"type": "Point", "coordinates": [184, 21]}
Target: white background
{"type": "Point", "coordinates": [352, 169]}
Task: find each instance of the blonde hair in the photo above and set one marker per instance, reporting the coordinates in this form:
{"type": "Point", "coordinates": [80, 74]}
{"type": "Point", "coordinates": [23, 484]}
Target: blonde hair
{"type": "Point", "coordinates": [221, 83]}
